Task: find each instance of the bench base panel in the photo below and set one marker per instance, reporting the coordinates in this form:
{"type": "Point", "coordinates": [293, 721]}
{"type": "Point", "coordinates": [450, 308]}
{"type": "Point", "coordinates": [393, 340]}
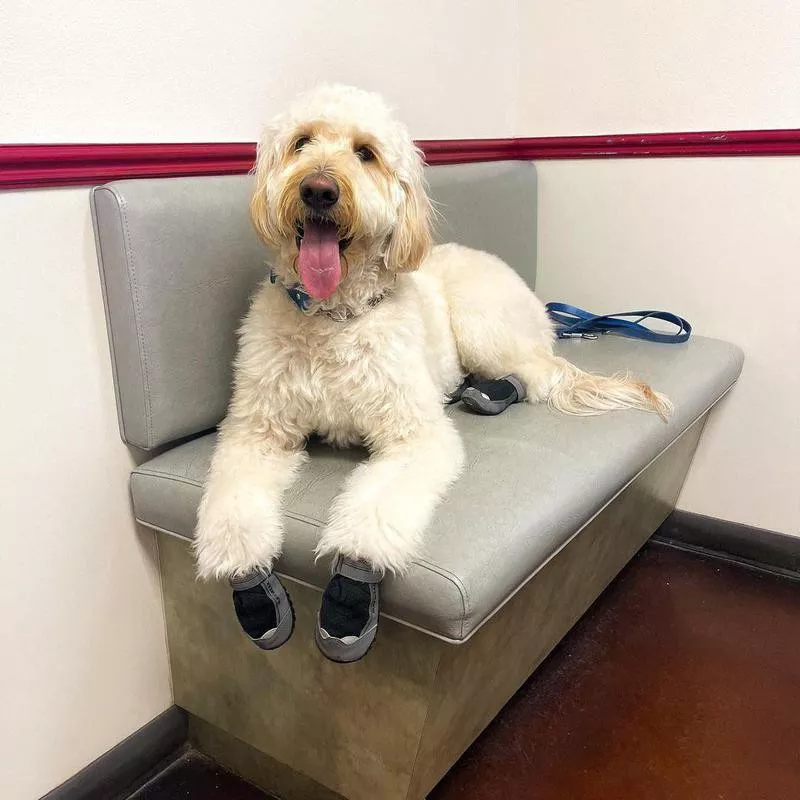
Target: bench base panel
{"type": "Point", "coordinates": [391, 725]}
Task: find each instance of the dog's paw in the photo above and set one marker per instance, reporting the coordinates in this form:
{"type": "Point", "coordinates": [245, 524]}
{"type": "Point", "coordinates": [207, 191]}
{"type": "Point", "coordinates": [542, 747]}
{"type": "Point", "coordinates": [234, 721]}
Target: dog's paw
{"type": "Point", "coordinates": [377, 533]}
{"type": "Point", "coordinates": [236, 533]}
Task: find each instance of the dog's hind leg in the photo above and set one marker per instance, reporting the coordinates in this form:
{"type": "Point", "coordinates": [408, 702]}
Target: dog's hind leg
{"type": "Point", "coordinates": [501, 328]}
{"type": "Point", "coordinates": [547, 377]}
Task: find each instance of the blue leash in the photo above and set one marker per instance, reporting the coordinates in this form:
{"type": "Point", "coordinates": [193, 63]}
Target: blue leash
{"type": "Point", "coordinates": [573, 322]}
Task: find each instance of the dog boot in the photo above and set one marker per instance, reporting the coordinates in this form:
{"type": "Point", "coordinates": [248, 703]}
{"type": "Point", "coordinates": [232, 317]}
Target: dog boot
{"type": "Point", "coordinates": [456, 395]}
{"type": "Point", "coordinates": [263, 609]}
{"type": "Point", "coordinates": [348, 617]}
{"type": "Point", "coordinates": [493, 397]}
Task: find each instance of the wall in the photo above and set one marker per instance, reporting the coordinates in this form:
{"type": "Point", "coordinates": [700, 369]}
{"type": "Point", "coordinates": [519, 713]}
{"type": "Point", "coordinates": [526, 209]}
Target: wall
{"type": "Point", "coordinates": [199, 70]}
{"type": "Point", "coordinates": [84, 654]}
{"type": "Point", "coordinates": [626, 66]}
{"type": "Point", "coordinates": [85, 661]}
{"type": "Point", "coordinates": [716, 240]}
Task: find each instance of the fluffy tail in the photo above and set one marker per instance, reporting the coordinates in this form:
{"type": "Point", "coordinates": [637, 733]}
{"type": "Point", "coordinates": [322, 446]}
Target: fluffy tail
{"type": "Point", "coordinates": [573, 391]}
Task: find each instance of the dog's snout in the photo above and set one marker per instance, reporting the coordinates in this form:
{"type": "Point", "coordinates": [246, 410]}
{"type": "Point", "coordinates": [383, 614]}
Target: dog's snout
{"type": "Point", "coordinates": [319, 192]}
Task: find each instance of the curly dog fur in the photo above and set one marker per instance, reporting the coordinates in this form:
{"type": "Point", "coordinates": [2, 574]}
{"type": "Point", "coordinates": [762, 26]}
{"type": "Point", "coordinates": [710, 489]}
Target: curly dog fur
{"type": "Point", "coordinates": [370, 362]}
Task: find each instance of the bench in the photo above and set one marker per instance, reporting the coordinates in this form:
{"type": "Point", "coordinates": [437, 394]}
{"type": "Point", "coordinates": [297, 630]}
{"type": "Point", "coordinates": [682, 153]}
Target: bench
{"type": "Point", "coordinates": [549, 507]}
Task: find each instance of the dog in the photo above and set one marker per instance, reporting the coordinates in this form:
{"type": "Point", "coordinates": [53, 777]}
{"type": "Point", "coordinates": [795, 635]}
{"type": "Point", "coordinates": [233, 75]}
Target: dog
{"type": "Point", "coordinates": [362, 329]}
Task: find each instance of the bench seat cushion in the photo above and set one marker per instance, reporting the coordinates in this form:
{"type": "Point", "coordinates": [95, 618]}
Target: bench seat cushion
{"type": "Point", "coordinates": [533, 479]}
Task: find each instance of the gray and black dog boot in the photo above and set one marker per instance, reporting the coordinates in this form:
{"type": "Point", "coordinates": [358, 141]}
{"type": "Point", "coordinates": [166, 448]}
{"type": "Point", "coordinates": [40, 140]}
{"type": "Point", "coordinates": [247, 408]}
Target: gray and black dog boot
{"type": "Point", "coordinates": [492, 397]}
{"type": "Point", "coordinates": [457, 394]}
{"type": "Point", "coordinates": [263, 609]}
{"type": "Point", "coordinates": [347, 622]}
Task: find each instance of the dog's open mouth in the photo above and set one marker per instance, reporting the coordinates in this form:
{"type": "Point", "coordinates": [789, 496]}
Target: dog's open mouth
{"type": "Point", "coordinates": [319, 261]}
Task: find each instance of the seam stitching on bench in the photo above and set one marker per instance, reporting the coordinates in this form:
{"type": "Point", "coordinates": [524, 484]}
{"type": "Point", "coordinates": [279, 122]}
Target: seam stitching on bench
{"type": "Point", "coordinates": [113, 336]}
{"type": "Point", "coordinates": [302, 518]}
{"type": "Point", "coordinates": [137, 316]}
{"type": "Point", "coordinates": [456, 581]}
{"type": "Point", "coordinates": [166, 476]}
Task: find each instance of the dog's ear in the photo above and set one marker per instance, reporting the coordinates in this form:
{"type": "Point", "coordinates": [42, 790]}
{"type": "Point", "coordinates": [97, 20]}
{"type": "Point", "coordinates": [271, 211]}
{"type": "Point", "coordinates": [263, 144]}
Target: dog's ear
{"type": "Point", "coordinates": [411, 239]}
{"type": "Point", "coordinates": [267, 157]}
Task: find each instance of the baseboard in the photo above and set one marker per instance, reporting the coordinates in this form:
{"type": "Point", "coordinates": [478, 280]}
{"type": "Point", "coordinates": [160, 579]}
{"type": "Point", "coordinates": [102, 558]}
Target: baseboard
{"type": "Point", "coordinates": [121, 770]}
{"type": "Point", "coordinates": [754, 547]}
{"type": "Point", "coordinates": [253, 765]}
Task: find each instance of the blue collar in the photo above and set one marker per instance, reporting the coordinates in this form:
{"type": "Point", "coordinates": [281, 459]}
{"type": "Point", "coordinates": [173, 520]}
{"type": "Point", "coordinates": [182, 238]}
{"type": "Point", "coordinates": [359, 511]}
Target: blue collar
{"type": "Point", "coordinates": [303, 300]}
{"type": "Point", "coordinates": [296, 293]}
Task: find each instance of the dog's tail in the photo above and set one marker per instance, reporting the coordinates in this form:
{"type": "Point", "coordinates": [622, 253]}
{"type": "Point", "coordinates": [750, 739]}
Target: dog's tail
{"type": "Point", "coordinates": [570, 390]}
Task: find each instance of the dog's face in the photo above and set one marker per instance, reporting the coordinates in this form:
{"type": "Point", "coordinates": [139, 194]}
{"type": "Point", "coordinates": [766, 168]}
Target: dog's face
{"type": "Point", "coordinates": [340, 190]}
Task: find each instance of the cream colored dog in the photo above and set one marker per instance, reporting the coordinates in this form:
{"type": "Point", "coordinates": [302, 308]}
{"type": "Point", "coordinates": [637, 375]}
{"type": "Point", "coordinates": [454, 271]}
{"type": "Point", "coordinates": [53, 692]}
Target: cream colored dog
{"type": "Point", "coordinates": [392, 325]}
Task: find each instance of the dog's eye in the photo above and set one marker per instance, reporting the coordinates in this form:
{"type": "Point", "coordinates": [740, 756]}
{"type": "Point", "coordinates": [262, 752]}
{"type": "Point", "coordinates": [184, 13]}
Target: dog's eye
{"type": "Point", "coordinates": [365, 153]}
{"type": "Point", "coordinates": [301, 143]}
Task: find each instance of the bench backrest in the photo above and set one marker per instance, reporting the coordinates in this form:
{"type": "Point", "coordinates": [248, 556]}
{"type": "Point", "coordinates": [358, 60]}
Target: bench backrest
{"type": "Point", "coordinates": [179, 261]}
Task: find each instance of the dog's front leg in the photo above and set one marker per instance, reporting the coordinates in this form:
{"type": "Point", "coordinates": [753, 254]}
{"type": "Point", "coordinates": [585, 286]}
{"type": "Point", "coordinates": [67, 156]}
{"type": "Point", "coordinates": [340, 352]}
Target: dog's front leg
{"type": "Point", "coordinates": [239, 524]}
{"type": "Point", "coordinates": [389, 500]}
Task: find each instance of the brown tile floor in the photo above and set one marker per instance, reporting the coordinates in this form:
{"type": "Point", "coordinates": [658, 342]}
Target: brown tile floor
{"type": "Point", "coordinates": [681, 683]}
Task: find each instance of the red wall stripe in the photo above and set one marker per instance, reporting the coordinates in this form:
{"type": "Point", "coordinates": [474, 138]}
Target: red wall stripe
{"type": "Point", "coordinates": [27, 166]}
{"type": "Point", "coordinates": [47, 165]}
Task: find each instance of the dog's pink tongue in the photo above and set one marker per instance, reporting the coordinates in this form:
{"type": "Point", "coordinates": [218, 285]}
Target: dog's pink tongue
{"type": "Point", "coordinates": [318, 263]}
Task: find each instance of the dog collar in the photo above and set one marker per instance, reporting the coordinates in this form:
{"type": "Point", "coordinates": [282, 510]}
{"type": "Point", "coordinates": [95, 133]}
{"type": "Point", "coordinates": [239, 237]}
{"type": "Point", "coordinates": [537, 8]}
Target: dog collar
{"type": "Point", "coordinates": [305, 303]}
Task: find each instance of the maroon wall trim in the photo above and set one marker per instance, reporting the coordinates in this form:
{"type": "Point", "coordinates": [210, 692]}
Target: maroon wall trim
{"type": "Point", "coordinates": [26, 166]}
{"type": "Point", "coordinates": [650, 145]}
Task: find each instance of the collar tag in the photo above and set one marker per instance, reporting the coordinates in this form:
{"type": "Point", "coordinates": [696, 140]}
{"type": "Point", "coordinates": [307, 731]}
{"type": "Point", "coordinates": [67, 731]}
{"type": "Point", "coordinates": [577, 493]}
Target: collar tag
{"type": "Point", "coordinates": [296, 293]}
{"type": "Point", "coordinates": [303, 300]}
{"type": "Point", "coordinates": [299, 297]}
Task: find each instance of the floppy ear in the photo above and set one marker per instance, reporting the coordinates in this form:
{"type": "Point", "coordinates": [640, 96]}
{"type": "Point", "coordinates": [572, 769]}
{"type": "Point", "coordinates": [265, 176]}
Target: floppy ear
{"type": "Point", "coordinates": [267, 157]}
{"type": "Point", "coordinates": [411, 241]}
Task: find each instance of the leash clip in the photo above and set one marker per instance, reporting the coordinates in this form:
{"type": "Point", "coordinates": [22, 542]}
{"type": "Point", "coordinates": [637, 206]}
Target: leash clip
{"type": "Point", "coordinates": [575, 335]}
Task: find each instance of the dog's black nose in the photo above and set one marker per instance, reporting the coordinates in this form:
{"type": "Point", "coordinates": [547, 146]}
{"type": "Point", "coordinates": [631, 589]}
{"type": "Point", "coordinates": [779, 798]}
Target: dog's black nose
{"type": "Point", "coordinates": [319, 192]}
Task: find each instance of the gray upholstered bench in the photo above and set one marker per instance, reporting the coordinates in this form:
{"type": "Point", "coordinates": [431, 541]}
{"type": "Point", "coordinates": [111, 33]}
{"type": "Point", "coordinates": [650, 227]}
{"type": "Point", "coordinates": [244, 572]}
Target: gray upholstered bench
{"type": "Point", "coordinates": [548, 511]}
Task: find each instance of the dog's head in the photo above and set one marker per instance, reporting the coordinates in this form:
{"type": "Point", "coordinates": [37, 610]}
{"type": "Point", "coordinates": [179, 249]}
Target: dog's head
{"type": "Point", "coordinates": [339, 189]}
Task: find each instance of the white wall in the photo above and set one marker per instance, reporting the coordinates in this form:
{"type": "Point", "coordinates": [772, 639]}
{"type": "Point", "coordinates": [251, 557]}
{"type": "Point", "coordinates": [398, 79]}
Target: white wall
{"type": "Point", "coordinates": [202, 70]}
{"type": "Point", "coordinates": [716, 240]}
{"type": "Point", "coordinates": [84, 660]}
{"type": "Point", "coordinates": [628, 66]}
{"type": "Point", "coordinates": [84, 654]}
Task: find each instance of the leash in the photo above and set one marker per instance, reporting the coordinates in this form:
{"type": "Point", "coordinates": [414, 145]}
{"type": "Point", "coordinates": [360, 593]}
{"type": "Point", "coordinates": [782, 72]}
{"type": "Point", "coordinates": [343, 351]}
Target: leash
{"type": "Point", "coordinates": [573, 322]}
